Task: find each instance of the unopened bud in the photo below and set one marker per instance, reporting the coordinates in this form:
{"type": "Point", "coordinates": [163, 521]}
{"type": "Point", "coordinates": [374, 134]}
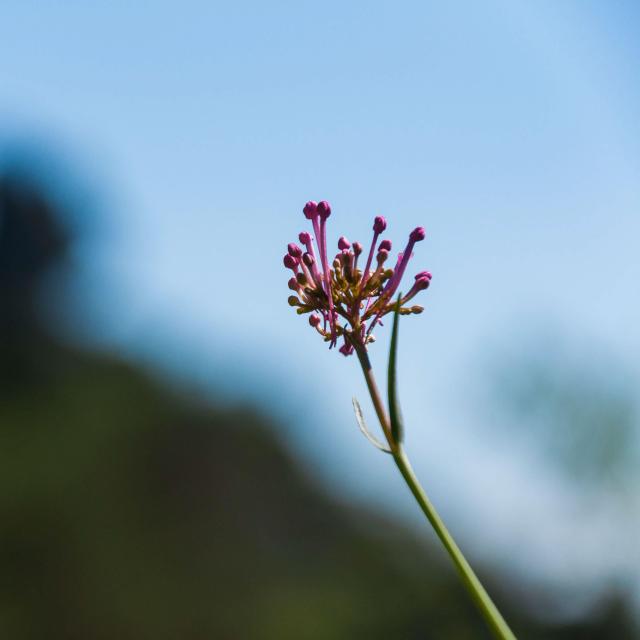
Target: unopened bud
{"type": "Point", "coordinates": [293, 301]}
{"type": "Point", "coordinates": [314, 319]}
{"type": "Point", "coordinates": [290, 262]}
{"type": "Point", "coordinates": [386, 245]}
{"type": "Point", "coordinates": [304, 237]}
{"type": "Point", "coordinates": [379, 224]}
{"type": "Point", "coordinates": [324, 209]}
{"type": "Point", "coordinates": [343, 243]}
{"type": "Point", "coordinates": [301, 279]}
{"type": "Point", "coordinates": [417, 234]}
{"type": "Point", "coordinates": [346, 349]}
{"type": "Point", "coordinates": [294, 250]}
{"type": "Point", "coordinates": [293, 284]}
{"type": "Point", "coordinates": [357, 248]}
{"type": "Point", "coordinates": [310, 209]}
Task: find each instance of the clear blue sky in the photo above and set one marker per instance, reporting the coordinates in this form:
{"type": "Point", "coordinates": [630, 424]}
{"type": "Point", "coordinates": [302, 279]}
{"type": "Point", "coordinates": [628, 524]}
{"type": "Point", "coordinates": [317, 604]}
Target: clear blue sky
{"type": "Point", "coordinates": [510, 130]}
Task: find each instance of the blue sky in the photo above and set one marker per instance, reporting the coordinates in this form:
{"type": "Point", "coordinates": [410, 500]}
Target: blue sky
{"type": "Point", "coordinates": [510, 130]}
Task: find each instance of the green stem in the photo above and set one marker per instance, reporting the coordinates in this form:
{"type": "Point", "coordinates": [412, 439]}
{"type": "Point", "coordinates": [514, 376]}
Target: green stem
{"type": "Point", "coordinates": [487, 608]}
{"type": "Point", "coordinates": [493, 617]}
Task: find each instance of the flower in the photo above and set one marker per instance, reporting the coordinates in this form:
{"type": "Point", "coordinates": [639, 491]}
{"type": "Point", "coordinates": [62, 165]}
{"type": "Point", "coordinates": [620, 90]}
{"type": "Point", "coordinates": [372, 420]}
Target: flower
{"type": "Point", "coordinates": [342, 298]}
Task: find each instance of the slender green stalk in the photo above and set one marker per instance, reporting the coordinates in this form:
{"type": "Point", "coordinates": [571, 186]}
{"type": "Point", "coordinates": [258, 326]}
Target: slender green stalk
{"type": "Point", "coordinates": [493, 617]}
{"type": "Point", "coordinates": [487, 608]}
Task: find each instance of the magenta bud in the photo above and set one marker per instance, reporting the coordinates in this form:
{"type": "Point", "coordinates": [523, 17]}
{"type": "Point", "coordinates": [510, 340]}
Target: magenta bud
{"type": "Point", "coordinates": [324, 209]}
{"type": "Point", "coordinates": [304, 237]}
{"type": "Point", "coordinates": [346, 349]}
{"type": "Point", "coordinates": [307, 258]}
{"type": "Point", "coordinates": [293, 284]}
{"type": "Point", "coordinates": [357, 248]}
{"type": "Point", "coordinates": [417, 234]}
{"type": "Point", "coordinates": [423, 274]}
{"type": "Point", "coordinates": [343, 243]}
{"type": "Point", "coordinates": [383, 254]}
{"type": "Point", "coordinates": [386, 245]}
{"type": "Point", "coordinates": [314, 319]}
{"type": "Point", "coordinates": [294, 250]}
{"type": "Point", "coordinates": [422, 283]}
{"type": "Point", "coordinates": [310, 209]}
{"type": "Point", "coordinates": [379, 224]}
{"type": "Point", "coordinates": [290, 262]}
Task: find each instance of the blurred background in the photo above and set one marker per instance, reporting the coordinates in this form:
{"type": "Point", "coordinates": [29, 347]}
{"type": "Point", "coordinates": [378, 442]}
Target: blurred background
{"type": "Point", "coordinates": [178, 453]}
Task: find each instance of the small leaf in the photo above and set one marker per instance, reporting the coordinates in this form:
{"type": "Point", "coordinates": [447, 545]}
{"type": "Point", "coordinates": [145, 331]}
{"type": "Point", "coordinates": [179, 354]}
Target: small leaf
{"type": "Point", "coordinates": [395, 417]}
{"type": "Point", "coordinates": [363, 427]}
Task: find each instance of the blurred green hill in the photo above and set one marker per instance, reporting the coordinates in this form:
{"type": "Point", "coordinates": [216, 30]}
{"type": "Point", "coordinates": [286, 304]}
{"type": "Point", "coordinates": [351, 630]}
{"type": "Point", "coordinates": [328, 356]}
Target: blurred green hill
{"type": "Point", "coordinates": [130, 510]}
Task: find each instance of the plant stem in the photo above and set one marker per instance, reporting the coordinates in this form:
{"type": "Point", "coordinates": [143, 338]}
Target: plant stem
{"type": "Point", "coordinates": [493, 617]}
{"type": "Point", "coordinates": [487, 608]}
{"type": "Point", "coordinates": [378, 405]}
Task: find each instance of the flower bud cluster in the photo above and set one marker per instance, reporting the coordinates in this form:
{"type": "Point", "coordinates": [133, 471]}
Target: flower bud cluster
{"type": "Point", "coordinates": [345, 300]}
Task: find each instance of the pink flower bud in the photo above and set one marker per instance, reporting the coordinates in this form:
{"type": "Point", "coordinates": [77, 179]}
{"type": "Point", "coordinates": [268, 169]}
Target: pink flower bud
{"type": "Point", "coordinates": [421, 283]}
{"type": "Point", "coordinates": [290, 262]}
{"type": "Point", "coordinates": [343, 243]}
{"type": "Point", "coordinates": [346, 349]}
{"type": "Point", "coordinates": [293, 284]}
{"type": "Point", "coordinates": [423, 274]}
{"type": "Point", "coordinates": [314, 319]}
{"type": "Point", "coordinates": [357, 248]}
{"type": "Point", "coordinates": [294, 250]}
{"type": "Point", "coordinates": [307, 258]}
{"type": "Point", "coordinates": [417, 234]}
{"type": "Point", "coordinates": [324, 209]}
{"type": "Point", "coordinates": [383, 254]}
{"type": "Point", "coordinates": [310, 210]}
{"type": "Point", "coordinates": [386, 245]}
{"type": "Point", "coordinates": [379, 224]}
{"type": "Point", "coordinates": [304, 237]}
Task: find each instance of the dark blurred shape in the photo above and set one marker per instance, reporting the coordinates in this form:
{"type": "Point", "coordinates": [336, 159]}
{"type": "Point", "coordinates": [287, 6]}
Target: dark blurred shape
{"type": "Point", "coordinates": [32, 243]}
{"type": "Point", "coordinates": [130, 511]}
